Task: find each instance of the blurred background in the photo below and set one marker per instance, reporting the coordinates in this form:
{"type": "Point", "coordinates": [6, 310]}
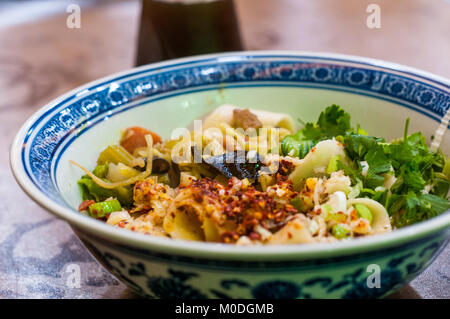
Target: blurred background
{"type": "Point", "coordinates": [41, 57]}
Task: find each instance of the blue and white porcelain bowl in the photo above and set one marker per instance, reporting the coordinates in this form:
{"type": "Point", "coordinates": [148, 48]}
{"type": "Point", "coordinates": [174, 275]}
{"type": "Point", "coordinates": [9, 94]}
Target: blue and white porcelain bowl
{"type": "Point", "coordinates": [163, 96]}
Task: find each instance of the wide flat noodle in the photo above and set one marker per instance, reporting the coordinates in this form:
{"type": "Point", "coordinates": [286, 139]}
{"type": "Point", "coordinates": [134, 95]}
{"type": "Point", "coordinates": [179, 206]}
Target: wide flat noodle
{"type": "Point", "coordinates": [224, 114]}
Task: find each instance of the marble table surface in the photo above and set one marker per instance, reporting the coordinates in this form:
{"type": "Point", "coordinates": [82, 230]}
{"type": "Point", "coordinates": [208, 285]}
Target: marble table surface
{"type": "Point", "coordinates": [40, 58]}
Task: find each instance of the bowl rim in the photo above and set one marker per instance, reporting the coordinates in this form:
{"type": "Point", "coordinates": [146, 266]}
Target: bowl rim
{"type": "Point", "coordinates": [217, 250]}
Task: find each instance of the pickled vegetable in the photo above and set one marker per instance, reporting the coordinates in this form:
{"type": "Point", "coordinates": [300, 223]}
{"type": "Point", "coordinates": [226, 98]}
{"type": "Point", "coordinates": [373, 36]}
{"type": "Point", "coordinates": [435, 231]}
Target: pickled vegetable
{"type": "Point", "coordinates": [115, 154]}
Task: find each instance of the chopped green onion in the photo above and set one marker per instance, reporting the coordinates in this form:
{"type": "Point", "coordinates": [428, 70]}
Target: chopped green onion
{"type": "Point", "coordinates": [341, 231]}
{"type": "Point", "coordinates": [101, 209]}
{"type": "Point", "coordinates": [294, 146]}
{"type": "Point", "coordinates": [364, 212]}
{"type": "Point", "coordinates": [302, 203]}
{"type": "Point", "coordinates": [333, 164]}
{"type": "Point", "coordinates": [297, 203]}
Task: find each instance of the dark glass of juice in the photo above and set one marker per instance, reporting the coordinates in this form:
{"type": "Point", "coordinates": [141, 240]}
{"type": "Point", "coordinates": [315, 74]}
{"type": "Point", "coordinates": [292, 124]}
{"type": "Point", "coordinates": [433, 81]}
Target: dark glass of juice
{"type": "Point", "coordinates": [177, 28]}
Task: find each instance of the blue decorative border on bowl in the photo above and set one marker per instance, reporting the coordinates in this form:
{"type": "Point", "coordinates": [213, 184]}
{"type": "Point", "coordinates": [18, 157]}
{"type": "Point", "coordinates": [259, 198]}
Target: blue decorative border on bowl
{"type": "Point", "coordinates": [431, 245]}
{"type": "Point", "coordinates": [402, 263]}
{"type": "Point", "coordinates": [111, 97]}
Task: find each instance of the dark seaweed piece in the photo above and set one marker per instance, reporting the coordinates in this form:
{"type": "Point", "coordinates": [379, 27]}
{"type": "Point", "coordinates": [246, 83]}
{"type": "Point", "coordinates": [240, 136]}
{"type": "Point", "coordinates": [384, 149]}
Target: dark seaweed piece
{"type": "Point", "coordinates": [174, 175]}
{"type": "Point", "coordinates": [239, 164]}
{"type": "Point", "coordinates": [162, 166]}
{"type": "Point", "coordinates": [159, 165]}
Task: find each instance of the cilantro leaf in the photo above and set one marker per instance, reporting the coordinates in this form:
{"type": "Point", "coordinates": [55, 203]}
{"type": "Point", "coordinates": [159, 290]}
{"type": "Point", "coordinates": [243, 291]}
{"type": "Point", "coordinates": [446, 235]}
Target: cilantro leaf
{"type": "Point", "coordinates": [414, 168]}
{"type": "Point", "coordinates": [358, 145]}
{"type": "Point", "coordinates": [436, 204]}
{"type": "Point", "coordinates": [422, 177]}
{"type": "Point", "coordinates": [412, 176]}
{"type": "Point", "coordinates": [332, 122]}
{"type": "Point", "coordinates": [417, 207]}
{"type": "Point", "coordinates": [378, 161]}
{"type": "Point", "coordinates": [350, 170]}
{"type": "Point", "coordinates": [378, 164]}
